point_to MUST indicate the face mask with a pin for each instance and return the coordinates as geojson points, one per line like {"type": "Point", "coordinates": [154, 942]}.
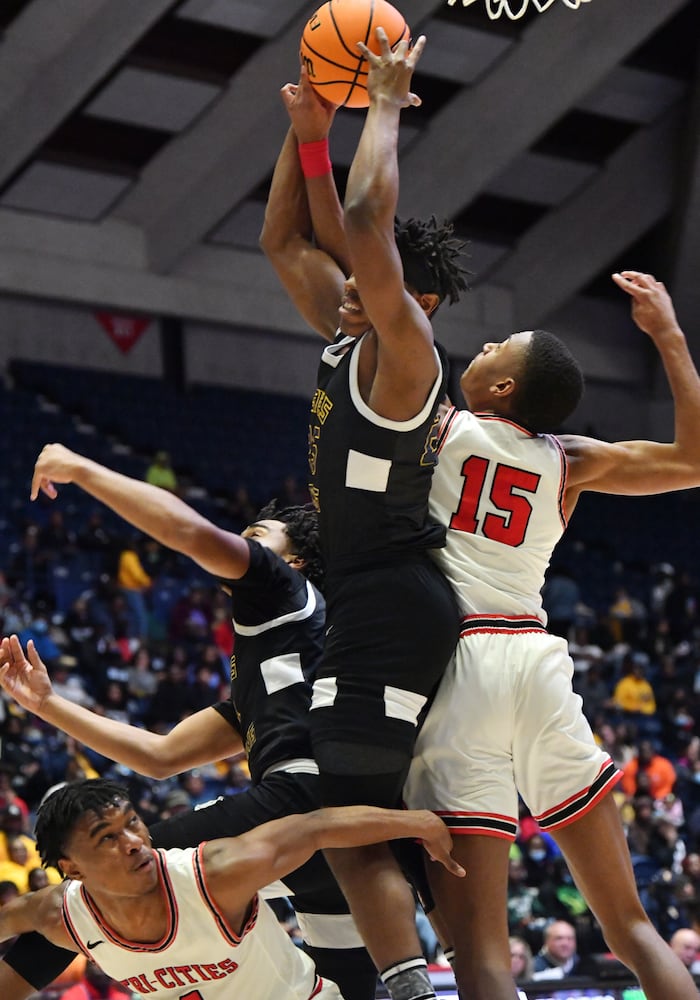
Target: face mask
{"type": "Point", "coordinates": [541, 855]}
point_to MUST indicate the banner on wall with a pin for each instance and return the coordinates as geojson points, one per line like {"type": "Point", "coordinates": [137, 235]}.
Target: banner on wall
{"type": "Point", "coordinates": [123, 330]}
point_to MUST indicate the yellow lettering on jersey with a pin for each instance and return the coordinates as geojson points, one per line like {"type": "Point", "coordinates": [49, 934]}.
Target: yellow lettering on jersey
{"type": "Point", "coordinates": [314, 493]}
{"type": "Point", "coordinates": [429, 456]}
{"type": "Point", "coordinates": [314, 435]}
{"type": "Point", "coordinates": [321, 405]}
{"type": "Point", "coordinates": [234, 671]}
{"type": "Point", "coordinates": [250, 738]}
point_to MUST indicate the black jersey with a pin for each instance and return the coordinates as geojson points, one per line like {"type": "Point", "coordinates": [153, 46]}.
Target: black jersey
{"type": "Point", "coordinates": [370, 476]}
{"type": "Point", "coordinates": [279, 621]}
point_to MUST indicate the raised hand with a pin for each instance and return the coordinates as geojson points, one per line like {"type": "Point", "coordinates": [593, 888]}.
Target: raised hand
{"type": "Point", "coordinates": [311, 115]}
{"type": "Point", "coordinates": [25, 680]}
{"type": "Point", "coordinates": [55, 464]}
{"type": "Point", "coordinates": [652, 308]}
{"type": "Point", "coordinates": [390, 72]}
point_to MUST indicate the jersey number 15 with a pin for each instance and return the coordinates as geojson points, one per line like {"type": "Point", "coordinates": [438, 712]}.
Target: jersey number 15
{"type": "Point", "coordinates": [508, 527]}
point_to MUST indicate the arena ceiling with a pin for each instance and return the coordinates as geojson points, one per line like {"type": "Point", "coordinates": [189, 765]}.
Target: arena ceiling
{"type": "Point", "coordinates": [139, 138]}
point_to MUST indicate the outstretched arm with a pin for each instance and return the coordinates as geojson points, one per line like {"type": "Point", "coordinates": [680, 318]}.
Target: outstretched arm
{"type": "Point", "coordinates": [154, 511]}
{"type": "Point", "coordinates": [236, 868]}
{"type": "Point", "coordinates": [639, 468]}
{"type": "Point", "coordinates": [303, 235]}
{"type": "Point", "coordinates": [406, 366]}
{"type": "Point", "coordinates": [36, 911]}
{"type": "Point", "coordinates": [200, 739]}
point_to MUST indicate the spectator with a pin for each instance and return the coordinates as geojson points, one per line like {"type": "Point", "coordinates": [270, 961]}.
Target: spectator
{"type": "Point", "coordinates": [633, 693]}
{"type": "Point", "coordinates": [539, 855]}
{"type": "Point", "coordinates": [161, 473]}
{"type": "Point", "coordinates": [134, 581]}
{"type": "Point", "coordinates": [521, 961]}
{"type": "Point", "coordinates": [616, 741]}
{"type": "Point", "coordinates": [38, 878]}
{"type": "Point", "coordinates": [557, 958]}
{"type": "Point", "coordinates": [640, 827]}
{"type": "Point", "coordinates": [686, 944]}
{"type": "Point", "coordinates": [658, 770]}
{"type": "Point", "coordinates": [594, 691]}
{"type": "Point", "coordinates": [627, 617]}
{"type": "Point", "coordinates": [524, 908]}
{"type": "Point", "coordinates": [560, 596]}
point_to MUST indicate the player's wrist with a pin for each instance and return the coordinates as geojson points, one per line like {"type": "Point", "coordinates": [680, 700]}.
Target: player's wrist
{"type": "Point", "coordinates": [314, 158]}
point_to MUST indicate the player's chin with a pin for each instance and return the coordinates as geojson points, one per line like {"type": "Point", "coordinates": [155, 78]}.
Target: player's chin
{"type": "Point", "coordinates": [352, 323]}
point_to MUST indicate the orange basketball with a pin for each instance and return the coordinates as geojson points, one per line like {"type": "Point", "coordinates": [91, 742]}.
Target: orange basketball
{"type": "Point", "coordinates": [336, 68]}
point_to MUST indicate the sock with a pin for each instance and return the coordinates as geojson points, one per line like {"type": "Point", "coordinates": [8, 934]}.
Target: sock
{"type": "Point", "coordinates": [408, 980]}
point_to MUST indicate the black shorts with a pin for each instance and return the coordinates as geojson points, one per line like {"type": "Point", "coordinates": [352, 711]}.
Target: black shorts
{"type": "Point", "coordinates": [391, 631]}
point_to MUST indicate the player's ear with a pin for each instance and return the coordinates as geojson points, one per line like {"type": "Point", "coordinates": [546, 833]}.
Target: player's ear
{"type": "Point", "coordinates": [69, 869]}
{"type": "Point", "coordinates": [428, 302]}
{"type": "Point", "coordinates": [504, 387]}
{"type": "Point", "coordinates": [296, 562]}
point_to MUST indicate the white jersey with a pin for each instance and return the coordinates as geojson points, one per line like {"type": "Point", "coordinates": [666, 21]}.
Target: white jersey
{"type": "Point", "coordinates": [200, 956]}
{"type": "Point", "coordinates": [499, 489]}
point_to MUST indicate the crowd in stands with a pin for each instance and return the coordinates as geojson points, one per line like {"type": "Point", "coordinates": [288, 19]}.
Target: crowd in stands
{"type": "Point", "coordinates": [148, 642]}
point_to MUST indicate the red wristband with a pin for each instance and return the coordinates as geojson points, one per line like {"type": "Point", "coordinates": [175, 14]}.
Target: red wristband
{"type": "Point", "coordinates": [314, 158]}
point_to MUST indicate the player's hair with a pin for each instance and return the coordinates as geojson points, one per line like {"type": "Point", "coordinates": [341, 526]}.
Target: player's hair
{"type": "Point", "coordinates": [302, 528]}
{"type": "Point", "coordinates": [430, 256]}
{"type": "Point", "coordinates": [550, 384]}
{"type": "Point", "coordinates": [61, 811]}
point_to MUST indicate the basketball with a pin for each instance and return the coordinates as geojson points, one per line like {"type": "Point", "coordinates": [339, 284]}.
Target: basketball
{"type": "Point", "coordinates": [336, 68]}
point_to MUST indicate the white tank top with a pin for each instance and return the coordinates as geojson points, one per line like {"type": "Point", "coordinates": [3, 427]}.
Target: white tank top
{"type": "Point", "coordinates": [200, 956]}
{"type": "Point", "coordinates": [499, 489]}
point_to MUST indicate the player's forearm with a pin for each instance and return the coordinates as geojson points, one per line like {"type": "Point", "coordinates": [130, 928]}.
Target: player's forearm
{"type": "Point", "coordinates": [684, 382]}
{"type": "Point", "coordinates": [128, 745]}
{"type": "Point", "coordinates": [373, 182]}
{"type": "Point", "coordinates": [357, 826]}
{"type": "Point", "coordinates": [287, 215]}
{"type": "Point", "coordinates": [155, 511]}
{"type": "Point", "coordinates": [327, 220]}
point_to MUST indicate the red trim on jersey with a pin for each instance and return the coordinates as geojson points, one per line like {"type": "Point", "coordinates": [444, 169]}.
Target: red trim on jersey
{"type": "Point", "coordinates": [500, 625]}
{"type": "Point", "coordinates": [564, 479]}
{"type": "Point", "coordinates": [588, 803]}
{"type": "Point", "coordinates": [228, 933]}
{"type": "Point", "coordinates": [318, 986]}
{"type": "Point", "coordinates": [462, 824]}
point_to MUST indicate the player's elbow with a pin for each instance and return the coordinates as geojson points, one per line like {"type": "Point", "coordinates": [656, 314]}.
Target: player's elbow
{"type": "Point", "coordinates": [359, 212]}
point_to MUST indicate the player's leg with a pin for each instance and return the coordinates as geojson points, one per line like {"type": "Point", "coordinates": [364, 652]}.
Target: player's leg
{"type": "Point", "coordinates": [598, 857]}
{"type": "Point", "coordinates": [390, 638]}
{"type": "Point", "coordinates": [380, 898]}
{"type": "Point", "coordinates": [565, 778]}
{"type": "Point", "coordinates": [473, 913]}
{"type": "Point", "coordinates": [463, 770]}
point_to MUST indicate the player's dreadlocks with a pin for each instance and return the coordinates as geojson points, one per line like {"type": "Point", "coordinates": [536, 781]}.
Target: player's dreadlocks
{"type": "Point", "coordinates": [430, 257]}
{"type": "Point", "coordinates": [302, 528]}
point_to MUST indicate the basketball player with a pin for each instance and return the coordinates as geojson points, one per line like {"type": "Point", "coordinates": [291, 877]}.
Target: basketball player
{"type": "Point", "coordinates": [505, 719]}
{"type": "Point", "coordinates": [391, 619]}
{"type": "Point", "coordinates": [187, 923]}
{"type": "Point", "coordinates": [279, 621]}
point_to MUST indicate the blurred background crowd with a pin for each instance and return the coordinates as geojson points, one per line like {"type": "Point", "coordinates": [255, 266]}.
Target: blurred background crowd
{"type": "Point", "coordinates": [139, 634]}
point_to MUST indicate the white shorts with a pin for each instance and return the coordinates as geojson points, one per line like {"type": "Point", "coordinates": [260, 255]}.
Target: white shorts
{"type": "Point", "coordinates": [505, 720]}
